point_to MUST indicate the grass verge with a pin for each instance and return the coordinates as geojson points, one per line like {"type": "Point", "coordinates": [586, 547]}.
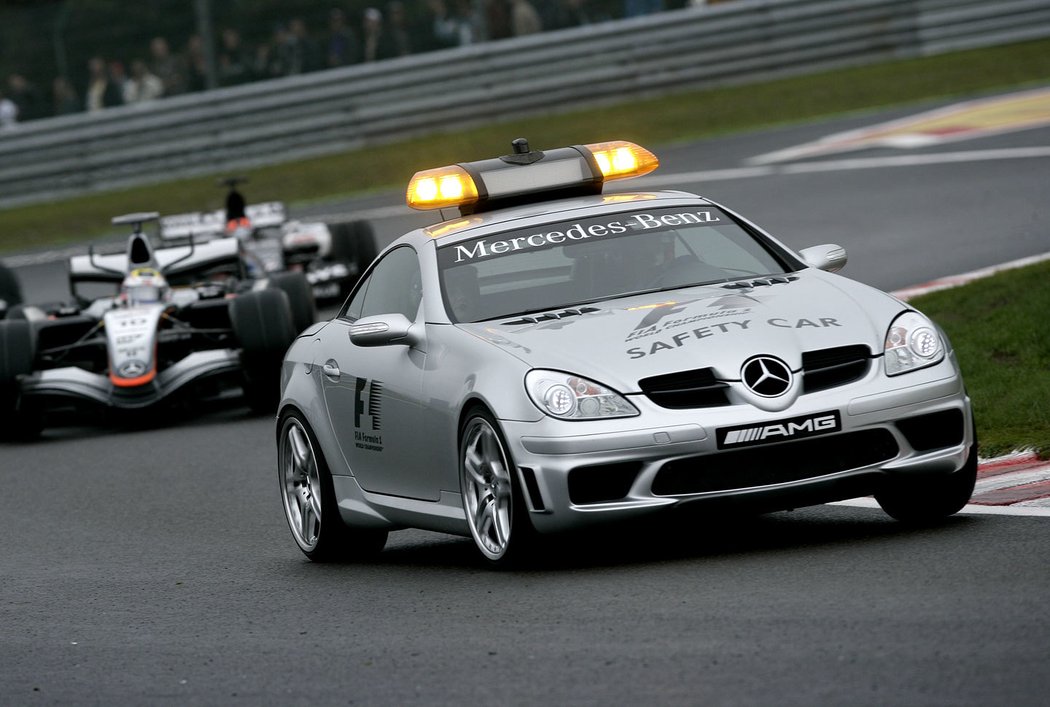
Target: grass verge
{"type": "Point", "coordinates": [684, 116]}
{"type": "Point", "coordinates": [1001, 336]}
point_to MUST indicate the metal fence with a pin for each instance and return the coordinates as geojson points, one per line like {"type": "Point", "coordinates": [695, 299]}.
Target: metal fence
{"type": "Point", "coordinates": [278, 120]}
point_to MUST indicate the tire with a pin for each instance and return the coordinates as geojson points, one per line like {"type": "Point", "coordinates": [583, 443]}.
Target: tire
{"type": "Point", "coordinates": [308, 499]}
{"type": "Point", "coordinates": [17, 355]}
{"type": "Point", "coordinates": [10, 290]}
{"type": "Point", "coordinates": [930, 497]}
{"type": "Point", "coordinates": [492, 500]}
{"type": "Point", "coordinates": [17, 349]}
{"type": "Point", "coordinates": [354, 242]}
{"type": "Point", "coordinates": [300, 297]}
{"type": "Point", "coordinates": [262, 321]}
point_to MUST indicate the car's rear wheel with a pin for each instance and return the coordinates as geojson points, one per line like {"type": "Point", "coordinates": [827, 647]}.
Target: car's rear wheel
{"type": "Point", "coordinates": [300, 297]}
{"type": "Point", "coordinates": [353, 242]}
{"type": "Point", "coordinates": [10, 290]}
{"type": "Point", "coordinates": [308, 497]}
{"type": "Point", "coordinates": [492, 501]}
{"type": "Point", "coordinates": [930, 497]}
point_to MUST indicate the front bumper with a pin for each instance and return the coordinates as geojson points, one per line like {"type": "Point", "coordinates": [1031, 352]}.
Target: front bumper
{"type": "Point", "coordinates": [578, 473]}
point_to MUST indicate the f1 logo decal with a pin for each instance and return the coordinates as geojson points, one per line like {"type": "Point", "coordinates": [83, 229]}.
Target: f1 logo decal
{"type": "Point", "coordinates": [368, 403]}
{"type": "Point", "coordinates": [660, 311]}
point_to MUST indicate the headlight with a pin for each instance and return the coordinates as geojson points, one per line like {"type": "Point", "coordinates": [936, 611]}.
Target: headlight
{"type": "Point", "coordinates": [570, 397]}
{"type": "Point", "coordinates": [912, 342]}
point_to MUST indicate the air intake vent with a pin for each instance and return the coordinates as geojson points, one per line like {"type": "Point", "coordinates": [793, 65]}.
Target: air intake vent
{"type": "Point", "coordinates": [775, 464]}
{"type": "Point", "coordinates": [828, 368]}
{"type": "Point", "coordinates": [761, 282]}
{"type": "Point", "coordinates": [602, 483]}
{"type": "Point", "coordinates": [686, 389]}
{"type": "Point", "coordinates": [551, 316]}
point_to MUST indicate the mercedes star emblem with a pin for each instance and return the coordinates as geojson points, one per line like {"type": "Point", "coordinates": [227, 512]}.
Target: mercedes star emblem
{"type": "Point", "coordinates": [766, 376]}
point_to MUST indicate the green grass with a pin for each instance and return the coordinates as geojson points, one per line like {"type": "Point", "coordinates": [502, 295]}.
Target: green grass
{"type": "Point", "coordinates": [1001, 334]}
{"type": "Point", "coordinates": [654, 122]}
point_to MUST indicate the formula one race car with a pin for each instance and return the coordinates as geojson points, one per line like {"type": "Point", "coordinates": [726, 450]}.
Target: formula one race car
{"type": "Point", "coordinates": [178, 320]}
{"type": "Point", "coordinates": [332, 255]}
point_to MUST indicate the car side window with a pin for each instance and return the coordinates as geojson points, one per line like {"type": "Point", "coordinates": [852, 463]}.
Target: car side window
{"type": "Point", "coordinates": [353, 309]}
{"type": "Point", "coordinates": [393, 287]}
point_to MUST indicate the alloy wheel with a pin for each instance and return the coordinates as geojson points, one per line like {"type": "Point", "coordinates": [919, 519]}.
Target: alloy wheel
{"type": "Point", "coordinates": [301, 485]}
{"type": "Point", "coordinates": [487, 488]}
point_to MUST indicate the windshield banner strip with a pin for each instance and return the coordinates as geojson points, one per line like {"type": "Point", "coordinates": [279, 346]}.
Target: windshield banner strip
{"type": "Point", "coordinates": [489, 247]}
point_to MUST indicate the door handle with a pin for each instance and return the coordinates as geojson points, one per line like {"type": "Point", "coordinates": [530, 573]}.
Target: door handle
{"type": "Point", "coordinates": [330, 369]}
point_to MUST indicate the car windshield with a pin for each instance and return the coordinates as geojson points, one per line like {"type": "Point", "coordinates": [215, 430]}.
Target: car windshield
{"type": "Point", "coordinates": [569, 263]}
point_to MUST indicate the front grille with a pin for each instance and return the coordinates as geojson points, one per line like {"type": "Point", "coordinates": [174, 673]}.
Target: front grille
{"type": "Point", "coordinates": [686, 389]}
{"type": "Point", "coordinates": [699, 388]}
{"type": "Point", "coordinates": [828, 368]}
{"type": "Point", "coordinates": [775, 463]}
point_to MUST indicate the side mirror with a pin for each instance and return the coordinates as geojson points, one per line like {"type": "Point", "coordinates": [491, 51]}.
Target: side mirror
{"type": "Point", "coordinates": [385, 330]}
{"type": "Point", "coordinates": [828, 257]}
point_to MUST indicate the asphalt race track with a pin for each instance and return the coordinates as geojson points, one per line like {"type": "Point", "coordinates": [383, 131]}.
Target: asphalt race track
{"type": "Point", "coordinates": [152, 565]}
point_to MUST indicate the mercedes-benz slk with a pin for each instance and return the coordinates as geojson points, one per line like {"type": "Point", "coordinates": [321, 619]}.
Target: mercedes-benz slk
{"type": "Point", "coordinates": [553, 356]}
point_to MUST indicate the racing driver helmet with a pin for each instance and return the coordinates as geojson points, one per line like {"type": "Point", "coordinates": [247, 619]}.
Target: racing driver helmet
{"type": "Point", "coordinates": [144, 286]}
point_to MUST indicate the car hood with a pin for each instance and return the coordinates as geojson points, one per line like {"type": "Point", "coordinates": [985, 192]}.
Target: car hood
{"type": "Point", "coordinates": [621, 341]}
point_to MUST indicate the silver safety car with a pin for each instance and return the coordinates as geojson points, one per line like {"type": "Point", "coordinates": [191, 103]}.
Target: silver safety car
{"type": "Point", "coordinates": [553, 357]}
{"type": "Point", "coordinates": [147, 326]}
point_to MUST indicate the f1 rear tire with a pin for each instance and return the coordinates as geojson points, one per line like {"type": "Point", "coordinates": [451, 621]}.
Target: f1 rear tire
{"type": "Point", "coordinates": [10, 290]}
{"type": "Point", "coordinates": [300, 297]}
{"type": "Point", "coordinates": [353, 242]}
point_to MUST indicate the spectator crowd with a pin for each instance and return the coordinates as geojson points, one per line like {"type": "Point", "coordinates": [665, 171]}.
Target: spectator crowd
{"type": "Point", "coordinates": [295, 48]}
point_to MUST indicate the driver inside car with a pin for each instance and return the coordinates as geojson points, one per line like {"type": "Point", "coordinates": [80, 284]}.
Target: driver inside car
{"type": "Point", "coordinates": [144, 286]}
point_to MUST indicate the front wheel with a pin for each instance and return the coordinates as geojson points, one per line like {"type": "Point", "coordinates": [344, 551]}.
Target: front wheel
{"type": "Point", "coordinates": [929, 498]}
{"type": "Point", "coordinates": [308, 497]}
{"type": "Point", "coordinates": [262, 322]}
{"type": "Point", "coordinates": [492, 501]}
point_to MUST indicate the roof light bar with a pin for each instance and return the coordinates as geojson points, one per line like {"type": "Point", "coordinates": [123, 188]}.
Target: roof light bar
{"type": "Point", "coordinates": [441, 187]}
{"type": "Point", "coordinates": [622, 160]}
{"type": "Point", "coordinates": [528, 176]}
